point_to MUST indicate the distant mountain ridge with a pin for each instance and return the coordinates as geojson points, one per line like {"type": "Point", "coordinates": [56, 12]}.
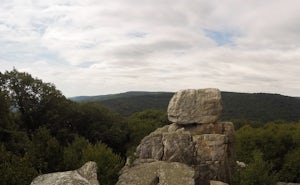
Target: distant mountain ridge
{"type": "Point", "coordinates": [98, 98]}
{"type": "Point", "coordinates": [249, 106]}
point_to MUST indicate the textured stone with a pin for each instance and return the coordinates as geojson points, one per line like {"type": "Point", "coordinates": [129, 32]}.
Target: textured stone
{"type": "Point", "coordinates": [208, 148]}
{"type": "Point", "coordinates": [195, 138]}
{"type": "Point", "coordinates": [86, 175]}
{"type": "Point", "coordinates": [287, 183]}
{"type": "Point", "coordinates": [178, 147]}
{"type": "Point", "coordinates": [158, 173]}
{"type": "Point", "coordinates": [217, 183]}
{"type": "Point", "coordinates": [195, 106]}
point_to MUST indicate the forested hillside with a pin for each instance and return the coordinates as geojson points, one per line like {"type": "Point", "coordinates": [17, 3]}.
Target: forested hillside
{"type": "Point", "coordinates": [41, 131]}
{"type": "Point", "coordinates": [260, 107]}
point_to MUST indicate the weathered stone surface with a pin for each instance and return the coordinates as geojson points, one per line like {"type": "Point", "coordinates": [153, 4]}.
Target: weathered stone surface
{"type": "Point", "coordinates": [152, 147]}
{"type": "Point", "coordinates": [159, 172]}
{"type": "Point", "coordinates": [195, 139]}
{"type": "Point", "coordinates": [208, 148]}
{"type": "Point", "coordinates": [178, 147]}
{"type": "Point", "coordinates": [217, 183]}
{"type": "Point", "coordinates": [195, 106]}
{"type": "Point", "coordinates": [287, 183]}
{"type": "Point", "coordinates": [86, 175]}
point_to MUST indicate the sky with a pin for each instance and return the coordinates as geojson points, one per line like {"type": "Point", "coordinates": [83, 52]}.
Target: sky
{"type": "Point", "coordinates": [94, 47]}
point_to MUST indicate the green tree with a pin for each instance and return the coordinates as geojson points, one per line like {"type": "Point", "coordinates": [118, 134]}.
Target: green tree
{"type": "Point", "coordinates": [143, 123]}
{"type": "Point", "coordinates": [290, 171]}
{"type": "Point", "coordinates": [81, 151]}
{"type": "Point", "coordinates": [29, 96]}
{"type": "Point", "coordinates": [73, 153]}
{"type": "Point", "coordinates": [257, 172]}
{"type": "Point", "coordinates": [15, 170]}
{"type": "Point", "coordinates": [46, 152]}
{"type": "Point", "coordinates": [109, 164]}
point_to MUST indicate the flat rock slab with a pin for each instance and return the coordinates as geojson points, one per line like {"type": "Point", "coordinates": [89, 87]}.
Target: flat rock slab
{"type": "Point", "coordinates": [158, 173]}
{"type": "Point", "coordinates": [86, 175]}
{"type": "Point", "coordinates": [217, 183]}
{"type": "Point", "coordinates": [192, 106]}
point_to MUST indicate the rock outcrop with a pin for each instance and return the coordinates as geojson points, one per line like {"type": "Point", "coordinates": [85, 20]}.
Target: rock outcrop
{"type": "Point", "coordinates": [159, 172]}
{"type": "Point", "coordinates": [195, 138]}
{"type": "Point", "coordinates": [217, 183]}
{"type": "Point", "coordinates": [195, 106]}
{"type": "Point", "coordinates": [86, 175]}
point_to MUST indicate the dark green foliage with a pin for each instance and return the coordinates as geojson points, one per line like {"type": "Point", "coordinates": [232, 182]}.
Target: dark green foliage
{"type": "Point", "coordinates": [290, 171]}
{"type": "Point", "coordinates": [132, 104]}
{"type": "Point", "coordinates": [109, 164]}
{"type": "Point", "coordinates": [15, 170]}
{"type": "Point", "coordinates": [257, 107]}
{"type": "Point", "coordinates": [260, 107]}
{"type": "Point", "coordinates": [41, 131]}
{"type": "Point", "coordinates": [46, 152]}
{"type": "Point", "coordinates": [29, 96]}
{"type": "Point", "coordinates": [73, 153]}
{"type": "Point", "coordinates": [97, 123]}
{"type": "Point", "coordinates": [37, 125]}
{"type": "Point", "coordinates": [81, 151]}
{"type": "Point", "coordinates": [257, 172]}
{"type": "Point", "coordinates": [141, 124]}
{"type": "Point", "coordinates": [279, 144]}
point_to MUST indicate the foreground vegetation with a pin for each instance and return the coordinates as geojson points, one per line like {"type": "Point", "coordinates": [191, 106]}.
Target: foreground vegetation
{"type": "Point", "coordinates": [41, 131]}
{"type": "Point", "coordinates": [272, 153]}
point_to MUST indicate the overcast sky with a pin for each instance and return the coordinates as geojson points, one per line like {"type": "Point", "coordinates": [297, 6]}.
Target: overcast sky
{"type": "Point", "coordinates": [92, 47]}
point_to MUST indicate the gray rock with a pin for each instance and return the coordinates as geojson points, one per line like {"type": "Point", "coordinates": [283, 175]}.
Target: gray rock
{"type": "Point", "coordinates": [195, 139]}
{"type": "Point", "coordinates": [208, 148]}
{"type": "Point", "coordinates": [195, 106]}
{"type": "Point", "coordinates": [178, 147]}
{"type": "Point", "coordinates": [86, 175]}
{"type": "Point", "coordinates": [158, 173]}
{"type": "Point", "coordinates": [217, 183]}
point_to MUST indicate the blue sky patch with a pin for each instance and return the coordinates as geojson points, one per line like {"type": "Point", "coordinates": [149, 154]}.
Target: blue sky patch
{"type": "Point", "coordinates": [221, 37]}
{"type": "Point", "coordinates": [137, 34]}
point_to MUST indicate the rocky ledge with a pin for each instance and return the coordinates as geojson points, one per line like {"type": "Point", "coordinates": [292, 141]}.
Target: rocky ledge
{"type": "Point", "coordinates": [86, 175]}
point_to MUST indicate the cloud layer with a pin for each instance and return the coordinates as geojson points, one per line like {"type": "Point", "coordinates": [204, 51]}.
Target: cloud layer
{"type": "Point", "coordinates": [90, 47]}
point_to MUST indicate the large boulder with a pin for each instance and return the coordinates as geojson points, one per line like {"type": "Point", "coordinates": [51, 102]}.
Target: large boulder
{"type": "Point", "coordinates": [208, 148]}
{"type": "Point", "coordinates": [86, 175]}
{"type": "Point", "coordinates": [195, 138]}
{"type": "Point", "coordinates": [195, 106]}
{"type": "Point", "coordinates": [158, 172]}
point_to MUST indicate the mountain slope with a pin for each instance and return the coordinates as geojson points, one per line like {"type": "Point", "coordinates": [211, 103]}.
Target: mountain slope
{"type": "Point", "coordinates": [255, 107]}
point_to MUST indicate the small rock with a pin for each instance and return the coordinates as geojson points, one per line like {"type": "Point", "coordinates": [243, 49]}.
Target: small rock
{"type": "Point", "coordinates": [86, 175]}
{"type": "Point", "coordinates": [195, 106]}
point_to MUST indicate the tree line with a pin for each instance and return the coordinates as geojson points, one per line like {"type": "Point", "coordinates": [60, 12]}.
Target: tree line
{"type": "Point", "coordinates": [41, 131]}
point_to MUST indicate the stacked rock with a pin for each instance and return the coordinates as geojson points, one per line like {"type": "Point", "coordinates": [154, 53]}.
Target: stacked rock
{"type": "Point", "coordinates": [196, 141]}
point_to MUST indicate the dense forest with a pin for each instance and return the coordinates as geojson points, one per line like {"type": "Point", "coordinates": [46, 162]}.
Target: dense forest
{"type": "Point", "coordinates": [42, 131]}
{"type": "Point", "coordinates": [255, 107]}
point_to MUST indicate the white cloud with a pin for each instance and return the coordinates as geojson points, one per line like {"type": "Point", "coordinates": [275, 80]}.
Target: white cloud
{"type": "Point", "coordinates": [115, 46]}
